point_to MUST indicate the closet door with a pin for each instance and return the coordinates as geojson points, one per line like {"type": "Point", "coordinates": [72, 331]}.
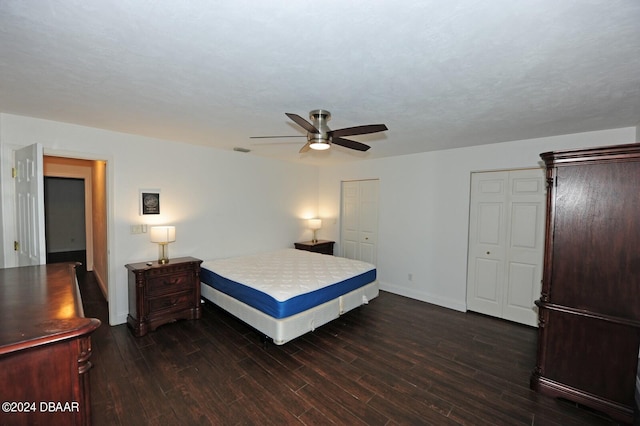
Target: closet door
{"type": "Point", "coordinates": [359, 219]}
{"type": "Point", "coordinates": [506, 243]}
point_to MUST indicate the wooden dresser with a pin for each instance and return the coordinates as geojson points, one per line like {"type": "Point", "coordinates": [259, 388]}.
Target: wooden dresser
{"type": "Point", "coordinates": [159, 294]}
{"type": "Point", "coordinates": [45, 347]}
{"type": "Point", "coordinates": [589, 308]}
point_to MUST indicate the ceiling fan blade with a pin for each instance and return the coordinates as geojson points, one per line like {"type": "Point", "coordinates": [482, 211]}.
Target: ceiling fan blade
{"type": "Point", "coordinates": [359, 130]}
{"type": "Point", "coordinates": [302, 122]}
{"type": "Point", "coordinates": [347, 143]}
{"type": "Point", "coordinates": [269, 137]}
{"type": "Point", "coordinates": [305, 148]}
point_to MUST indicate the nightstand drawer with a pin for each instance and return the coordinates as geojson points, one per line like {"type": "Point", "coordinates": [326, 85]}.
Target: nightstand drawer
{"type": "Point", "coordinates": [172, 283]}
{"type": "Point", "coordinates": [174, 302]}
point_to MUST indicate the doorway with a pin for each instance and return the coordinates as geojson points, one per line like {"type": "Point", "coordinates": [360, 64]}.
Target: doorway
{"type": "Point", "coordinates": [64, 220]}
{"type": "Point", "coordinates": [92, 174]}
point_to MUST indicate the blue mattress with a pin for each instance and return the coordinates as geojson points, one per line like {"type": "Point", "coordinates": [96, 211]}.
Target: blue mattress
{"type": "Point", "coordinates": [291, 306]}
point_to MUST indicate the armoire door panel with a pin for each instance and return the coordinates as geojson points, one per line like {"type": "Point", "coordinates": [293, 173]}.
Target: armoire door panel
{"type": "Point", "coordinates": [592, 355]}
{"type": "Point", "coordinates": [608, 249]}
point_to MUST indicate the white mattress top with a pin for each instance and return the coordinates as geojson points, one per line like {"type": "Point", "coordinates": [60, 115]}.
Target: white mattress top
{"type": "Point", "coordinates": [286, 273]}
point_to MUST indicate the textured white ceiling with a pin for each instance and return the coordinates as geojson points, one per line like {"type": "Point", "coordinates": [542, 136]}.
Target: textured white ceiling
{"type": "Point", "coordinates": [439, 74]}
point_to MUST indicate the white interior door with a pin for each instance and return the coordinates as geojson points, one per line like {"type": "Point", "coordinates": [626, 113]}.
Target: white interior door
{"type": "Point", "coordinates": [359, 220]}
{"type": "Point", "coordinates": [506, 243]}
{"type": "Point", "coordinates": [525, 245]}
{"type": "Point", "coordinates": [349, 220]}
{"type": "Point", "coordinates": [487, 242]}
{"type": "Point", "coordinates": [29, 181]}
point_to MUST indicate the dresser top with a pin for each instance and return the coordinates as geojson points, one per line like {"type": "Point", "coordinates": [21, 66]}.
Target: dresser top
{"type": "Point", "coordinates": [40, 304]}
{"type": "Point", "coordinates": [155, 265]}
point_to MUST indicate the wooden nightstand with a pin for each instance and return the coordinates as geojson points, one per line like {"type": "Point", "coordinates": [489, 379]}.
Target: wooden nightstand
{"type": "Point", "coordinates": [159, 294]}
{"type": "Point", "coordinates": [320, 246]}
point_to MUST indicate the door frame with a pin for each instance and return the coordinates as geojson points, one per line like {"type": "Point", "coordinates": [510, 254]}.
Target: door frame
{"type": "Point", "coordinates": [76, 173]}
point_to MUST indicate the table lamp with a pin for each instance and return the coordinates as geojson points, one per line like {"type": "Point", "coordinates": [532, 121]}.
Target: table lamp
{"type": "Point", "coordinates": [315, 224]}
{"type": "Point", "coordinates": [163, 235]}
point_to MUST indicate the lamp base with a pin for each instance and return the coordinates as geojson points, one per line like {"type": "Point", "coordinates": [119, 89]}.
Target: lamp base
{"type": "Point", "coordinates": [163, 256]}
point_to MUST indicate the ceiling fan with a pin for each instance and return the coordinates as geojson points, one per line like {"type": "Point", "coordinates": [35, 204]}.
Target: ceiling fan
{"type": "Point", "coordinates": [320, 136]}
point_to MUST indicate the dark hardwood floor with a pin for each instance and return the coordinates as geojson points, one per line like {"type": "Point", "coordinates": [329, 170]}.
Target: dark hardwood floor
{"type": "Point", "coordinates": [395, 361]}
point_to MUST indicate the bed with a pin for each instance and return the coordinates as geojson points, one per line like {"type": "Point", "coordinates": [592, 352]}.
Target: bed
{"type": "Point", "coordinates": [286, 293]}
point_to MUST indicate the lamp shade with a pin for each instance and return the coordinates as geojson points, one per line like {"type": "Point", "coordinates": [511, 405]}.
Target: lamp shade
{"type": "Point", "coordinates": [163, 234]}
{"type": "Point", "coordinates": [315, 224]}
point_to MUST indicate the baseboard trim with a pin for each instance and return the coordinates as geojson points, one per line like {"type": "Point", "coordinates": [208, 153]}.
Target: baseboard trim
{"type": "Point", "coordinates": [424, 297]}
{"type": "Point", "coordinates": [102, 285]}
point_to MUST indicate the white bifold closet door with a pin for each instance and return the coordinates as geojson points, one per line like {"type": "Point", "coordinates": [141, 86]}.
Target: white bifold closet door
{"type": "Point", "coordinates": [359, 220]}
{"type": "Point", "coordinates": [506, 243]}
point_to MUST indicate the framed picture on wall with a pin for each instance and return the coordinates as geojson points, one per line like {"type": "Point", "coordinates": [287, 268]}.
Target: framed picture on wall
{"type": "Point", "coordinates": [149, 201]}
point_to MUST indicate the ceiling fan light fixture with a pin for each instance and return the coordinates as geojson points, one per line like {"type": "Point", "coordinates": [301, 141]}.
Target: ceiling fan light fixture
{"type": "Point", "coordinates": [319, 145]}
{"type": "Point", "coordinates": [320, 137]}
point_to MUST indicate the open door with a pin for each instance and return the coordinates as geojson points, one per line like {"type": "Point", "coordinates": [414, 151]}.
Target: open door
{"type": "Point", "coordinates": [29, 181]}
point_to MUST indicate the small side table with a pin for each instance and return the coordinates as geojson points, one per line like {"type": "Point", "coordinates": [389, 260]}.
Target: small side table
{"type": "Point", "coordinates": [320, 246]}
{"type": "Point", "coordinates": [159, 294]}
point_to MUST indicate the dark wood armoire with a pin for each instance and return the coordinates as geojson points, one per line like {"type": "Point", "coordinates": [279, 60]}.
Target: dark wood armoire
{"type": "Point", "coordinates": [589, 308]}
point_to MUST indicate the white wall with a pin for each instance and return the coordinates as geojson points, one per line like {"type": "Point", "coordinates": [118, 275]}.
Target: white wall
{"type": "Point", "coordinates": [222, 203]}
{"type": "Point", "coordinates": [225, 203]}
{"type": "Point", "coordinates": [424, 208]}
